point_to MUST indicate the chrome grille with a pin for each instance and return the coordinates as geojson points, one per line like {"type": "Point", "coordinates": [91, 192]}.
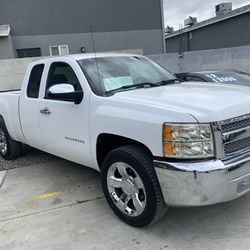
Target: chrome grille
{"type": "Point", "coordinates": [236, 135]}
{"type": "Point", "coordinates": [235, 125]}
{"type": "Point", "coordinates": [237, 146]}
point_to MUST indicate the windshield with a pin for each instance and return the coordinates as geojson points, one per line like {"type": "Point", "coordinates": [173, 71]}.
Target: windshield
{"type": "Point", "coordinates": [113, 74]}
{"type": "Point", "coordinates": [232, 77]}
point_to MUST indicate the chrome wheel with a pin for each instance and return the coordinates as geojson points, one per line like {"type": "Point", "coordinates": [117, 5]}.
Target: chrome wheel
{"type": "Point", "coordinates": [3, 143]}
{"type": "Point", "coordinates": [126, 189]}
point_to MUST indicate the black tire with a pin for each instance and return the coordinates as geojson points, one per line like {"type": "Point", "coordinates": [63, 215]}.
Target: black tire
{"type": "Point", "coordinates": [14, 148]}
{"type": "Point", "coordinates": [142, 163]}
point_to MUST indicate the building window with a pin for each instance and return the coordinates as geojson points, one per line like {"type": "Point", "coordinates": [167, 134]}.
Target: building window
{"type": "Point", "coordinates": [59, 50]}
{"type": "Point", "coordinates": [31, 52]}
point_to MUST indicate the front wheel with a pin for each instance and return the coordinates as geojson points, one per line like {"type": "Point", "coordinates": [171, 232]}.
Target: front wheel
{"type": "Point", "coordinates": [131, 187]}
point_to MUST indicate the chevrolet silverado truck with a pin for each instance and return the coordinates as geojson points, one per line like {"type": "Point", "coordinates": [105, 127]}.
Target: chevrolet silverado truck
{"type": "Point", "coordinates": [157, 142]}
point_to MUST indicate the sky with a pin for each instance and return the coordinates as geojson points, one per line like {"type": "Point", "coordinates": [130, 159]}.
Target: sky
{"type": "Point", "coordinates": [175, 11]}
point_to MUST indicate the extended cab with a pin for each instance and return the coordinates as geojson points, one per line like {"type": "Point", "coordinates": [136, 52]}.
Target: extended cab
{"type": "Point", "coordinates": [156, 141]}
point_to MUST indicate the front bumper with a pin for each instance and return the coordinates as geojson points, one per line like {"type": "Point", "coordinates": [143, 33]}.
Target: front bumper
{"type": "Point", "coordinates": [202, 183]}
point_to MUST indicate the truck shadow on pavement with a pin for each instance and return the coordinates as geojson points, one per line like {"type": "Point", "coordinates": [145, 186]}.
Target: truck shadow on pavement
{"type": "Point", "coordinates": [227, 220]}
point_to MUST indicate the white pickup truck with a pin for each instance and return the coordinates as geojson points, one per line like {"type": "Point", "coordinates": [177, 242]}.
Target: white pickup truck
{"type": "Point", "coordinates": [156, 141]}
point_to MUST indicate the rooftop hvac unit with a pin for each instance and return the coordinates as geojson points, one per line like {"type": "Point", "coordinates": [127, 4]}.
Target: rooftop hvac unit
{"type": "Point", "coordinates": [4, 30]}
{"type": "Point", "coordinates": [190, 21]}
{"type": "Point", "coordinates": [169, 30]}
{"type": "Point", "coordinates": [223, 8]}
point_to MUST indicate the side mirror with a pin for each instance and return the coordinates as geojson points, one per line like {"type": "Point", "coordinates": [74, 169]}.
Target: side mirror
{"type": "Point", "coordinates": [65, 92]}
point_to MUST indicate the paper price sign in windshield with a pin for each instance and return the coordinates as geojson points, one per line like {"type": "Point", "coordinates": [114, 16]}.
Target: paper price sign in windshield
{"type": "Point", "coordinates": [117, 82]}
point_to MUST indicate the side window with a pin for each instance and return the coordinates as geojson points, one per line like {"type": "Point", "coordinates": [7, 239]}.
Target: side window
{"type": "Point", "coordinates": [188, 78]}
{"type": "Point", "coordinates": [61, 72]}
{"type": "Point", "coordinates": [197, 79]}
{"type": "Point", "coordinates": [35, 81]}
{"type": "Point", "coordinates": [191, 78]}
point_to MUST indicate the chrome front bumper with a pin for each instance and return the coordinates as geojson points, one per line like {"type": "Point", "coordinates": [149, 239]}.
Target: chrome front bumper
{"type": "Point", "coordinates": [202, 183]}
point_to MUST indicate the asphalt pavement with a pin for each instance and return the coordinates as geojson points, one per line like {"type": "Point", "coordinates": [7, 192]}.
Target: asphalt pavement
{"type": "Point", "coordinates": [31, 156]}
{"type": "Point", "coordinates": [60, 205]}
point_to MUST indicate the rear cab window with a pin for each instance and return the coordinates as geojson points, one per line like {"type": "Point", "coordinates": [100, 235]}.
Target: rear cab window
{"type": "Point", "coordinates": [35, 81]}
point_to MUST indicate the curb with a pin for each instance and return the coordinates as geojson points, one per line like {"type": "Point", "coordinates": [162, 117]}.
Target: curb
{"type": "Point", "coordinates": [2, 177]}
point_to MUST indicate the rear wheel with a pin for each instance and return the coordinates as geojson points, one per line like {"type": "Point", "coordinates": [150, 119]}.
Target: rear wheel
{"type": "Point", "coordinates": [131, 187]}
{"type": "Point", "coordinates": [9, 149]}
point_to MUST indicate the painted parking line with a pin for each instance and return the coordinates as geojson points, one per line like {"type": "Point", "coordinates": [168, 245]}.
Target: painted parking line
{"type": "Point", "coordinates": [2, 177]}
{"type": "Point", "coordinates": [46, 196]}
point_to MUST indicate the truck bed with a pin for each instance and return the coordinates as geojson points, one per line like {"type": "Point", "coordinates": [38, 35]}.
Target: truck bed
{"type": "Point", "coordinates": [9, 111]}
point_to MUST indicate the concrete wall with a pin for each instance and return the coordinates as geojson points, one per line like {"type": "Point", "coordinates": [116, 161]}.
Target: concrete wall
{"type": "Point", "coordinates": [169, 61]}
{"type": "Point", "coordinates": [6, 47]}
{"type": "Point", "coordinates": [12, 72]}
{"type": "Point", "coordinates": [229, 33]}
{"type": "Point", "coordinates": [229, 58]}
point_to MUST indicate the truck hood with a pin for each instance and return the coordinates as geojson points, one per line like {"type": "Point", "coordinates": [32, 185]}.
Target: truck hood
{"type": "Point", "coordinates": [206, 102]}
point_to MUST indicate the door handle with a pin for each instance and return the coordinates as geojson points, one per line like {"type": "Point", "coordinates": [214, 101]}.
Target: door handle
{"type": "Point", "coordinates": [45, 111]}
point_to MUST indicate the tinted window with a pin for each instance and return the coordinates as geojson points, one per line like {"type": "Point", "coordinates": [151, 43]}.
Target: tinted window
{"type": "Point", "coordinates": [62, 73]}
{"type": "Point", "coordinates": [35, 81]}
{"type": "Point", "coordinates": [33, 52]}
{"type": "Point", "coordinates": [188, 78]}
{"type": "Point", "coordinates": [196, 79]}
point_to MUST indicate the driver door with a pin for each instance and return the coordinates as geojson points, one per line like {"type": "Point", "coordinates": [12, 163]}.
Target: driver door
{"type": "Point", "coordinates": [64, 125]}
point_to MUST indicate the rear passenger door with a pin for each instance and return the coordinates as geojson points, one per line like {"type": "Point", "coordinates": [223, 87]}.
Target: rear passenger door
{"type": "Point", "coordinates": [30, 106]}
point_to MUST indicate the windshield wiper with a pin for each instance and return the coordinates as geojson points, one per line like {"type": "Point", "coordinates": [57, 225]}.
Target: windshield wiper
{"type": "Point", "coordinates": [133, 86]}
{"type": "Point", "coordinates": [143, 85]}
{"type": "Point", "coordinates": [170, 81]}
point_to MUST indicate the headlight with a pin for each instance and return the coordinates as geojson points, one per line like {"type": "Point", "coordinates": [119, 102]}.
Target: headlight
{"type": "Point", "coordinates": [188, 141]}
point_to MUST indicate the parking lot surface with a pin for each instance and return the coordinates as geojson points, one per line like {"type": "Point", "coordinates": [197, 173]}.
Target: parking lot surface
{"type": "Point", "coordinates": [60, 205]}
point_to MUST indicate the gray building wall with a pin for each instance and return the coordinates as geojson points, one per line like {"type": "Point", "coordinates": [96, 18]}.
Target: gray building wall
{"type": "Point", "coordinates": [116, 25]}
{"type": "Point", "coordinates": [231, 32]}
{"type": "Point", "coordinates": [148, 40]}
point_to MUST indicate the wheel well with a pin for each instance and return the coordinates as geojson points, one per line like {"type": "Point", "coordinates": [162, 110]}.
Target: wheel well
{"type": "Point", "coordinates": [2, 120]}
{"type": "Point", "coordinates": [108, 142]}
